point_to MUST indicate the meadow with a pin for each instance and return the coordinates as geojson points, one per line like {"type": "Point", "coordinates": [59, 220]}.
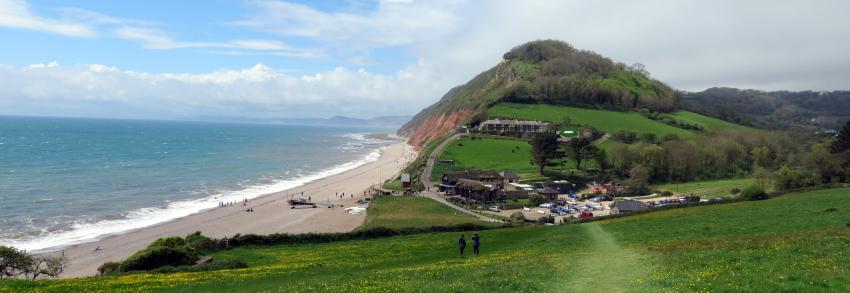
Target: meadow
{"type": "Point", "coordinates": [793, 243]}
{"type": "Point", "coordinates": [709, 123]}
{"type": "Point", "coordinates": [707, 188]}
{"type": "Point", "coordinates": [413, 212]}
{"type": "Point", "coordinates": [607, 121]}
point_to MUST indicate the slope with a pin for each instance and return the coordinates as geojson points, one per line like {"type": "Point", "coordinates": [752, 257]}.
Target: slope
{"type": "Point", "coordinates": [794, 243]}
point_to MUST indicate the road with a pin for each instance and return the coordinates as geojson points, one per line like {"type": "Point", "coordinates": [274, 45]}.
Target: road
{"type": "Point", "coordinates": [426, 180]}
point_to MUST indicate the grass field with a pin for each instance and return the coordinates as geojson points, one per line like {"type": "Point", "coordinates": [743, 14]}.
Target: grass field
{"type": "Point", "coordinates": [706, 122]}
{"type": "Point", "coordinates": [793, 243]}
{"type": "Point", "coordinates": [412, 211]}
{"type": "Point", "coordinates": [607, 121]}
{"type": "Point", "coordinates": [707, 188]}
{"type": "Point", "coordinates": [488, 153]}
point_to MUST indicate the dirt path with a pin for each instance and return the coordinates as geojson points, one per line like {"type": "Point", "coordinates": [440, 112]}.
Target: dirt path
{"type": "Point", "coordinates": [604, 267]}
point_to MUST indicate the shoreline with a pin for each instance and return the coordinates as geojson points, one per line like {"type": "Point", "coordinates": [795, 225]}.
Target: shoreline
{"type": "Point", "coordinates": [272, 214]}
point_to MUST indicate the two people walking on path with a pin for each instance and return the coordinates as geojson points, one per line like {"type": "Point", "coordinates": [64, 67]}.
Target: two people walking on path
{"type": "Point", "coordinates": [476, 242]}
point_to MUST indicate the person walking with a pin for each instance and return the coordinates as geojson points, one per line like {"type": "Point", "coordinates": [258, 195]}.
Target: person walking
{"type": "Point", "coordinates": [476, 241]}
{"type": "Point", "coordinates": [462, 244]}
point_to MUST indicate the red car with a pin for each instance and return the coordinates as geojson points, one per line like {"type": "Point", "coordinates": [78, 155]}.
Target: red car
{"type": "Point", "coordinates": [585, 215]}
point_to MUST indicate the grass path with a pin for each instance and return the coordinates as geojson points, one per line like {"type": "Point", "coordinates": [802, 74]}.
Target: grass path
{"type": "Point", "coordinates": [605, 266]}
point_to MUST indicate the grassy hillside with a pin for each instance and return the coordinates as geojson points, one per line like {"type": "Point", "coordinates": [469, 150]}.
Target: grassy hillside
{"type": "Point", "coordinates": [607, 121]}
{"type": "Point", "coordinates": [706, 188]}
{"type": "Point", "coordinates": [416, 212]}
{"type": "Point", "coordinates": [794, 243]}
{"type": "Point", "coordinates": [707, 122]}
{"type": "Point", "coordinates": [544, 71]}
{"type": "Point", "coordinates": [501, 154]}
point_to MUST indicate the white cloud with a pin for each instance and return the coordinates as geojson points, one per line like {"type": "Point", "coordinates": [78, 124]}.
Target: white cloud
{"type": "Point", "coordinates": [17, 14]}
{"type": "Point", "coordinates": [156, 39]}
{"type": "Point", "coordinates": [691, 45]}
{"type": "Point", "coordinates": [258, 92]}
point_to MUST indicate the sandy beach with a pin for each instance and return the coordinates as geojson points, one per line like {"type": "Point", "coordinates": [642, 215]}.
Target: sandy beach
{"type": "Point", "coordinates": [272, 214]}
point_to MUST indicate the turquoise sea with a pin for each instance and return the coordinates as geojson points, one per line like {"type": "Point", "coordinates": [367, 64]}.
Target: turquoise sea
{"type": "Point", "coordinates": [68, 180]}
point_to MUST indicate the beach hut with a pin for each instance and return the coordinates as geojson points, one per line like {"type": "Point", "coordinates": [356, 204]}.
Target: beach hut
{"type": "Point", "coordinates": [406, 182]}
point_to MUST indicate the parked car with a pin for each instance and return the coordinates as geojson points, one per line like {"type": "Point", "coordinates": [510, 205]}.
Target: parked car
{"type": "Point", "coordinates": [545, 205]}
{"type": "Point", "coordinates": [495, 209]}
{"type": "Point", "coordinates": [717, 198]}
{"type": "Point", "coordinates": [585, 215]}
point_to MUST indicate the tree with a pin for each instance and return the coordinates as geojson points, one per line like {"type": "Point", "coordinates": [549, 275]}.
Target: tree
{"type": "Point", "coordinates": [754, 192]}
{"type": "Point", "coordinates": [842, 141]}
{"type": "Point", "coordinates": [579, 149]}
{"type": "Point", "coordinates": [762, 176]}
{"type": "Point", "coordinates": [14, 262]}
{"type": "Point", "coordinates": [638, 180]}
{"type": "Point", "coordinates": [544, 149]}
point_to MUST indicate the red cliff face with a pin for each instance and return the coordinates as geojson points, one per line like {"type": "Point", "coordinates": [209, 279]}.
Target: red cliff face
{"type": "Point", "coordinates": [436, 126]}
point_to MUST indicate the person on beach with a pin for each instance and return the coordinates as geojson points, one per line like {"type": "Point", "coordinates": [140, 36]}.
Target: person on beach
{"type": "Point", "coordinates": [476, 241]}
{"type": "Point", "coordinates": [461, 244]}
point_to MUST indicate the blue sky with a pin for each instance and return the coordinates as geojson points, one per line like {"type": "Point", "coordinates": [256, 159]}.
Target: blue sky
{"type": "Point", "coordinates": [275, 58]}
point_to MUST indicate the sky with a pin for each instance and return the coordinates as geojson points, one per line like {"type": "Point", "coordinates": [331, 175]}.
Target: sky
{"type": "Point", "coordinates": [288, 59]}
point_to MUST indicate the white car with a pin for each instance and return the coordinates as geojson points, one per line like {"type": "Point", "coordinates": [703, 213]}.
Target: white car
{"type": "Point", "coordinates": [545, 205]}
{"type": "Point", "coordinates": [495, 209]}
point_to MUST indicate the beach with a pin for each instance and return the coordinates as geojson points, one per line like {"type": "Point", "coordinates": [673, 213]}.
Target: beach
{"type": "Point", "coordinates": [271, 214]}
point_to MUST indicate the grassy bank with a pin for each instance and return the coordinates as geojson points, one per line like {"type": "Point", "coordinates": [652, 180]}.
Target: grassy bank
{"type": "Point", "coordinates": [413, 212]}
{"type": "Point", "coordinates": [707, 188]}
{"type": "Point", "coordinates": [607, 121]}
{"type": "Point", "coordinates": [794, 243]}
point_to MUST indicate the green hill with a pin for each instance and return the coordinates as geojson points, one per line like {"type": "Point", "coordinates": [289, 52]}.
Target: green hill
{"type": "Point", "coordinates": [728, 247]}
{"type": "Point", "coordinates": [548, 72]}
{"type": "Point", "coordinates": [607, 121]}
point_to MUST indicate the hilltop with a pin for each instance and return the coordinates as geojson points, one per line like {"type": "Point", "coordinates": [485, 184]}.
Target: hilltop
{"type": "Point", "coordinates": [547, 71]}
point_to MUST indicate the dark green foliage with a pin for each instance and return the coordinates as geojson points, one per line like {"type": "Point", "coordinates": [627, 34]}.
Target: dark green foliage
{"type": "Point", "coordinates": [787, 178]}
{"type": "Point", "coordinates": [842, 141]}
{"type": "Point", "coordinates": [537, 199]}
{"type": "Point", "coordinates": [779, 109]}
{"type": "Point", "coordinates": [716, 155]}
{"type": "Point", "coordinates": [158, 256]}
{"type": "Point", "coordinates": [109, 268]}
{"type": "Point", "coordinates": [581, 148]}
{"type": "Point", "coordinates": [544, 149]}
{"type": "Point", "coordinates": [14, 262]}
{"type": "Point", "coordinates": [735, 191]}
{"type": "Point", "coordinates": [754, 192]}
{"type": "Point", "coordinates": [638, 182]}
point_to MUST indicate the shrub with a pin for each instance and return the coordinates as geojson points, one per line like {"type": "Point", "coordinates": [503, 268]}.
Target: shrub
{"type": "Point", "coordinates": [754, 192]}
{"type": "Point", "coordinates": [158, 256]}
{"type": "Point", "coordinates": [517, 218]}
{"type": "Point", "coordinates": [735, 191]}
{"type": "Point", "coordinates": [537, 199]}
{"type": "Point", "coordinates": [14, 262]}
{"type": "Point", "coordinates": [173, 242]}
{"type": "Point", "coordinates": [108, 268]}
{"type": "Point", "coordinates": [667, 193]}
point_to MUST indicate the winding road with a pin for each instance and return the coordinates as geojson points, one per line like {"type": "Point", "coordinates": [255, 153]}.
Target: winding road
{"type": "Point", "coordinates": [426, 180]}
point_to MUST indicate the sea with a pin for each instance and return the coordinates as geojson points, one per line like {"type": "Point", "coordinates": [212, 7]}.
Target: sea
{"type": "Point", "coordinates": [65, 181]}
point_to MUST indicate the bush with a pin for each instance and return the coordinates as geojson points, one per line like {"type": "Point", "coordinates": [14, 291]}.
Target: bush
{"type": "Point", "coordinates": [537, 200]}
{"type": "Point", "coordinates": [108, 268]}
{"type": "Point", "coordinates": [14, 262]}
{"type": "Point", "coordinates": [754, 192]}
{"type": "Point", "coordinates": [735, 191]}
{"type": "Point", "coordinates": [667, 193]}
{"type": "Point", "coordinates": [517, 218]}
{"type": "Point", "coordinates": [158, 256]}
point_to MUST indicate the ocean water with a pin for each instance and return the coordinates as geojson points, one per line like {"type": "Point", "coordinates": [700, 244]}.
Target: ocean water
{"type": "Point", "coordinates": [65, 180]}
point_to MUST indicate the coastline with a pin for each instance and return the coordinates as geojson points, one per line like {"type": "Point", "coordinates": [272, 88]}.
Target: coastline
{"type": "Point", "coordinates": [272, 214]}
